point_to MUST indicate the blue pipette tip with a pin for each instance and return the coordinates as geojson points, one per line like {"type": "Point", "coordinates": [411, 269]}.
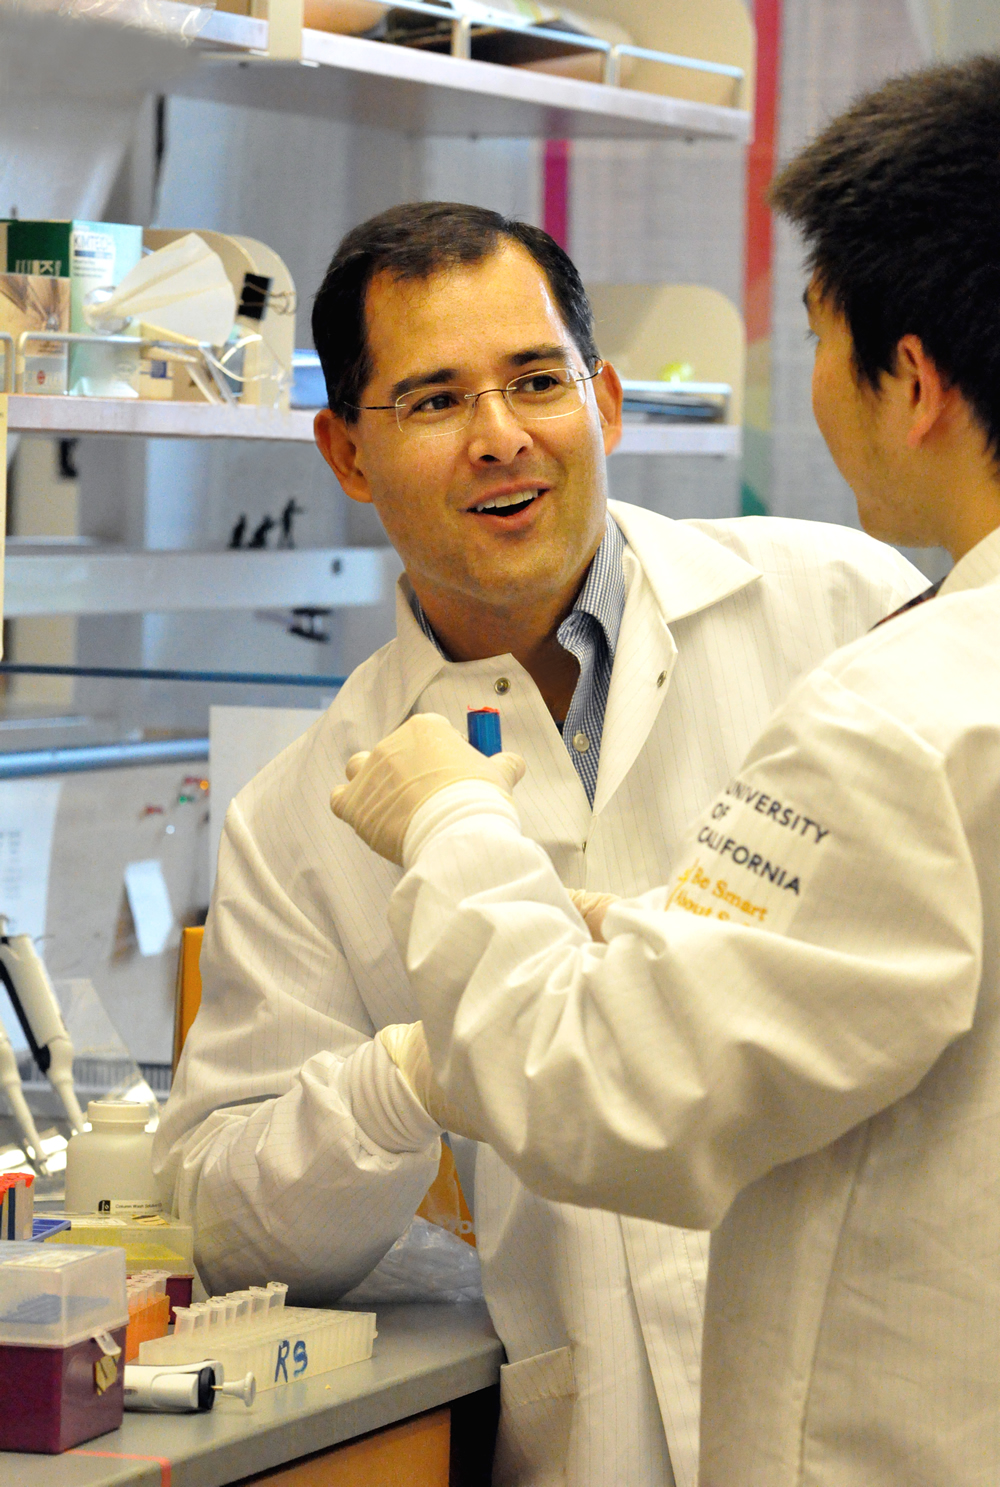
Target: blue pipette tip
{"type": "Point", "coordinates": [484, 730]}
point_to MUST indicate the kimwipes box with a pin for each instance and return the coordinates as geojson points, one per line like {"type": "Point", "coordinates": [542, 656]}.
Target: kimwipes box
{"type": "Point", "coordinates": [94, 256]}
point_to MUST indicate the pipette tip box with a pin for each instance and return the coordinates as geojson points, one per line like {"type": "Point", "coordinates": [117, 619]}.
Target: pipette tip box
{"type": "Point", "coordinates": [63, 1316]}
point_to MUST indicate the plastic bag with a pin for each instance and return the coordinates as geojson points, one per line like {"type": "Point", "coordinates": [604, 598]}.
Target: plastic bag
{"type": "Point", "coordinates": [425, 1264]}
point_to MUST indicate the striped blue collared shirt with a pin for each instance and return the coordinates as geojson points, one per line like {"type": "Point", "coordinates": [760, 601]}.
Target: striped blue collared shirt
{"type": "Point", "coordinates": [590, 633]}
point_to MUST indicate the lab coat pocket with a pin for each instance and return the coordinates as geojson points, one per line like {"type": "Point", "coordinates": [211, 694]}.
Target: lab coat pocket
{"type": "Point", "coordinates": [536, 1411]}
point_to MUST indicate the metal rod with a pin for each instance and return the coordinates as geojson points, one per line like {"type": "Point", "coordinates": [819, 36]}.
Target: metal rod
{"type": "Point", "coordinates": [148, 674]}
{"type": "Point", "coordinates": [461, 38]}
{"type": "Point", "coordinates": [101, 756]}
{"type": "Point", "coordinates": [7, 341]}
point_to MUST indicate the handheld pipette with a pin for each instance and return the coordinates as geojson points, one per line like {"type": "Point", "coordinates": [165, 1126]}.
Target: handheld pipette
{"type": "Point", "coordinates": [484, 730]}
{"type": "Point", "coordinates": [182, 1388]}
{"type": "Point", "coordinates": [34, 1001]}
{"type": "Point", "coordinates": [10, 1083]}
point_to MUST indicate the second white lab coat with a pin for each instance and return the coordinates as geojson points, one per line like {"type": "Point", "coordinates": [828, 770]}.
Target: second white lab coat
{"type": "Point", "coordinates": [802, 1053]}
{"type": "Point", "coordinates": [270, 1143]}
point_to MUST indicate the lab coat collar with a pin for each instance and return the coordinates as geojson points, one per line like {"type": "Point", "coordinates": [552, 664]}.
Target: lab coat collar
{"type": "Point", "coordinates": [667, 580]}
{"type": "Point", "coordinates": [979, 566]}
{"type": "Point", "coordinates": [687, 572]}
{"type": "Point", "coordinates": [417, 661]}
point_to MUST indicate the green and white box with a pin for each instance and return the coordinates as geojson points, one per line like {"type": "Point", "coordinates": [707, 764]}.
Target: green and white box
{"type": "Point", "coordinates": [94, 256]}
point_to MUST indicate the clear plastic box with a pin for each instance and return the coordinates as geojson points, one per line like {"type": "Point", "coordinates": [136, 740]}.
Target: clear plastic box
{"type": "Point", "coordinates": [146, 1240]}
{"type": "Point", "coordinates": [54, 1297]}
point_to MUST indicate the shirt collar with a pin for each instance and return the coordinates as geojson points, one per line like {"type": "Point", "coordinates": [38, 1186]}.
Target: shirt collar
{"type": "Point", "coordinates": [979, 566]}
{"type": "Point", "coordinates": [604, 590]}
{"type": "Point", "coordinates": [603, 593]}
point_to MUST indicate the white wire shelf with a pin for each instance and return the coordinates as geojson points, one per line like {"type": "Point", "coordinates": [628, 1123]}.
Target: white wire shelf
{"type": "Point", "coordinates": [404, 88]}
{"type": "Point", "coordinates": [46, 580]}
{"type": "Point", "coordinates": [719, 439]}
{"type": "Point", "coordinates": [36, 413]}
{"type": "Point", "coordinates": [70, 416]}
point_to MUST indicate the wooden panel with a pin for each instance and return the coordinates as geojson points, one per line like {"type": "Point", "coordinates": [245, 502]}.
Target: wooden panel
{"type": "Point", "coordinates": [188, 986]}
{"type": "Point", "coordinates": [412, 1454]}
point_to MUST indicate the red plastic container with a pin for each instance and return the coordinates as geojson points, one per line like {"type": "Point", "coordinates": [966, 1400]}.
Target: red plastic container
{"type": "Point", "coordinates": [51, 1399]}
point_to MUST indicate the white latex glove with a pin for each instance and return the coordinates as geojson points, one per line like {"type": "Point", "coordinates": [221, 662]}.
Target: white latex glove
{"type": "Point", "coordinates": [592, 908]}
{"type": "Point", "coordinates": [389, 785]}
{"type": "Point", "coordinates": [406, 1045]}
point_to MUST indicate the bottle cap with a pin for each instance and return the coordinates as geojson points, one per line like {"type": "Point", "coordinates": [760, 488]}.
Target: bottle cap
{"type": "Point", "coordinates": [117, 1113]}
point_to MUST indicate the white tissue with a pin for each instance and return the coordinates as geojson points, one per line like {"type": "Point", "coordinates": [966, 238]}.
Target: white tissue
{"type": "Point", "coordinates": [180, 290]}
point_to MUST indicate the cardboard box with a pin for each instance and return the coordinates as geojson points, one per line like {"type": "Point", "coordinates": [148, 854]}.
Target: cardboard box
{"type": "Point", "coordinates": [37, 302]}
{"type": "Point", "coordinates": [93, 256]}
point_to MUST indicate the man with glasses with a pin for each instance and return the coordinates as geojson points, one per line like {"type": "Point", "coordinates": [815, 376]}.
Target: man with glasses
{"type": "Point", "coordinates": [632, 660]}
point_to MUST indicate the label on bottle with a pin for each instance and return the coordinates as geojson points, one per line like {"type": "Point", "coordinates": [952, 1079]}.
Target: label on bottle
{"type": "Point", "coordinates": [135, 1208]}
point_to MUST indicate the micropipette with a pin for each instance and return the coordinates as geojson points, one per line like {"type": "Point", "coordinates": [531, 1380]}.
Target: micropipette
{"type": "Point", "coordinates": [10, 1083]}
{"type": "Point", "coordinates": [34, 1001]}
{"type": "Point", "coordinates": [183, 1388]}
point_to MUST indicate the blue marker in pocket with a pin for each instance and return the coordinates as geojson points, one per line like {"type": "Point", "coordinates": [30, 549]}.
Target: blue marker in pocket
{"type": "Point", "coordinates": [484, 730]}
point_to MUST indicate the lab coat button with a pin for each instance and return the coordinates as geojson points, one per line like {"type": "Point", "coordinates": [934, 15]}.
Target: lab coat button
{"type": "Point", "coordinates": [581, 743]}
{"type": "Point", "coordinates": [501, 685]}
{"type": "Point", "coordinates": [661, 678]}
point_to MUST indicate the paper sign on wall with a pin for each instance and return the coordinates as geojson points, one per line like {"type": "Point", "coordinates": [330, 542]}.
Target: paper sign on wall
{"type": "Point", "coordinates": [27, 821]}
{"type": "Point", "coordinates": [149, 902]}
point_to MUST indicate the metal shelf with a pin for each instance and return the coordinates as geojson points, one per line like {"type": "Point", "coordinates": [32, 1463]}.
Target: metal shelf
{"type": "Point", "coordinates": [347, 77]}
{"type": "Point", "coordinates": [83, 580]}
{"type": "Point", "coordinates": [127, 47]}
{"type": "Point", "coordinates": [35, 413]}
{"type": "Point", "coordinates": [719, 439]}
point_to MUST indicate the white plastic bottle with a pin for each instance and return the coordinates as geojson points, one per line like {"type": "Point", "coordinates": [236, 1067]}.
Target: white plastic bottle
{"type": "Point", "coordinates": [109, 1168]}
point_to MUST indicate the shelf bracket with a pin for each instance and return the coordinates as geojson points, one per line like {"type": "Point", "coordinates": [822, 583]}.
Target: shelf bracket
{"type": "Point", "coordinates": [461, 37]}
{"type": "Point", "coordinates": [284, 30]}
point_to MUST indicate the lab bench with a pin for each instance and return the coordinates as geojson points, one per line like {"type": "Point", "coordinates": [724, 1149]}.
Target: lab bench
{"type": "Point", "coordinates": [426, 1358]}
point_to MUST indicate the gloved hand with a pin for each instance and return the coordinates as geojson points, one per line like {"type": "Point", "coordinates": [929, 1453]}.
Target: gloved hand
{"type": "Point", "coordinates": [592, 908]}
{"type": "Point", "coordinates": [406, 1045]}
{"type": "Point", "coordinates": [389, 785]}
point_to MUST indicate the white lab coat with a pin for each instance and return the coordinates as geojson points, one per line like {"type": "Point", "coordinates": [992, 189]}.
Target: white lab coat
{"type": "Point", "coordinates": [816, 1077]}
{"type": "Point", "coordinates": [275, 1145]}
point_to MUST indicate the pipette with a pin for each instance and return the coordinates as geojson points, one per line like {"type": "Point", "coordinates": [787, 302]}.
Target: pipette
{"type": "Point", "coordinates": [34, 1001]}
{"type": "Point", "coordinates": [10, 1083]}
{"type": "Point", "coordinates": [184, 1388]}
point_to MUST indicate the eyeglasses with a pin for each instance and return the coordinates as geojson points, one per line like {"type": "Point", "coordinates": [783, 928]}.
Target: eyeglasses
{"type": "Point", "coordinates": [432, 411]}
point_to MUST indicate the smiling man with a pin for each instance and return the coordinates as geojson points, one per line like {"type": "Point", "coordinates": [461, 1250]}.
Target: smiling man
{"type": "Point", "coordinates": [633, 659]}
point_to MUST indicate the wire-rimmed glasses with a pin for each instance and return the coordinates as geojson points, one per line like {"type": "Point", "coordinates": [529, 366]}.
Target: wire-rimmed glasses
{"type": "Point", "coordinates": [430, 411]}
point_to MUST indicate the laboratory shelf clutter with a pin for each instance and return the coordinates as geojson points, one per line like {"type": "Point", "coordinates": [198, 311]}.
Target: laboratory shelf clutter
{"type": "Point", "coordinates": [276, 63]}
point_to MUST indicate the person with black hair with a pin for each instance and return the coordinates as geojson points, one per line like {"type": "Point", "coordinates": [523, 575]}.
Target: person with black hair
{"type": "Point", "coordinates": [632, 660]}
{"type": "Point", "coordinates": [795, 1043]}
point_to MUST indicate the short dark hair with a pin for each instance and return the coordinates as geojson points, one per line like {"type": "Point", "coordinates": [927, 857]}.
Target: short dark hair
{"type": "Point", "coordinates": [414, 242]}
{"type": "Point", "coordinates": [899, 202]}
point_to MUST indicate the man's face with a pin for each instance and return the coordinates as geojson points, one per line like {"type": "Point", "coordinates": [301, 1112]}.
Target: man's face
{"type": "Point", "coordinates": [866, 432]}
{"type": "Point", "coordinates": [478, 327]}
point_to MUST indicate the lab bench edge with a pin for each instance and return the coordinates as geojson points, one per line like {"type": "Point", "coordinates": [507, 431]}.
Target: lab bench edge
{"type": "Point", "coordinates": [426, 1355]}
